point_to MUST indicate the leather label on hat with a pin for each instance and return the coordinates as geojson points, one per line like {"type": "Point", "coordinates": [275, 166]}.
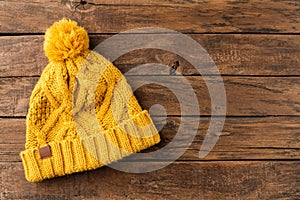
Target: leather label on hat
{"type": "Point", "coordinates": [45, 152]}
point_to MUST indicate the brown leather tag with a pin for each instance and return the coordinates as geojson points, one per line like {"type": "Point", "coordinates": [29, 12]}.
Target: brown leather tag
{"type": "Point", "coordinates": [45, 152]}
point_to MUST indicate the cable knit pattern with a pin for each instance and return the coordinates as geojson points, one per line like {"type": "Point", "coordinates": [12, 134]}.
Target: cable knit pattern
{"type": "Point", "coordinates": [65, 111]}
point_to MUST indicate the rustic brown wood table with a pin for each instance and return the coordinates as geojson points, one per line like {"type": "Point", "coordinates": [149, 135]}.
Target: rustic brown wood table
{"type": "Point", "coordinates": [256, 47]}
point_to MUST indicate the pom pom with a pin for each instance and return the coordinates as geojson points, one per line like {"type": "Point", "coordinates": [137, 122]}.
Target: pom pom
{"type": "Point", "coordinates": [65, 40]}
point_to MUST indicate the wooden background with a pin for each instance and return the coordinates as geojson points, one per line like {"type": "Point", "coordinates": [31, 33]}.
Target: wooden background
{"type": "Point", "coordinates": [256, 46]}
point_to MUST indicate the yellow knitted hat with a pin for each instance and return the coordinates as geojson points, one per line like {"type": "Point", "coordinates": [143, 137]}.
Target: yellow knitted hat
{"type": "Point", "coordinates": [74, 123]}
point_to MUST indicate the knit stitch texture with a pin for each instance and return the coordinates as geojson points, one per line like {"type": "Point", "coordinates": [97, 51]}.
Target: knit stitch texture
{"type": "Point", "coordinates": [64, 114]}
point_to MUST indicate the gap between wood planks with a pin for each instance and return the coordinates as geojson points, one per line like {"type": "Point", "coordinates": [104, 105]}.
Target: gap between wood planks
{"type": "Point", "coordinates": [184, 32]}
{"type": "Point", "coordinates": [182, 161]}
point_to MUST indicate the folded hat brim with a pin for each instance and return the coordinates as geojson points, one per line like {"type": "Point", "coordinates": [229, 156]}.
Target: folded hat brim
{"type": "Point", "coordinates": [81, 154]}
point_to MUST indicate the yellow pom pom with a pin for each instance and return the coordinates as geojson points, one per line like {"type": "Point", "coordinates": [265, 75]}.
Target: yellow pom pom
{"type": "Point", "coordinates": [65, 40]}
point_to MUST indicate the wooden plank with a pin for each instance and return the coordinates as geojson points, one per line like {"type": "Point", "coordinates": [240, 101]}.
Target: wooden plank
{"type": "Point", "coordinates": [184, 180]}
{"type": "Point", "coordinates": [270, 55]}
{"type": "Point", "coordinates": [119, 2]}
{"type": "Point", "coordinates": [203, 16]}
{"type": "Point", "coordinates": [182, 3]}
{"type": "Point", "coordinates": [233, 55]}
{"type": "Point", "coordinates": [17, 97]}
{"type": "Point", "coordinates": [246, 96]}
{"type": "Point", "coordinates": [241, 138]}
{"type": "Point", "coordinates": [22, 56]}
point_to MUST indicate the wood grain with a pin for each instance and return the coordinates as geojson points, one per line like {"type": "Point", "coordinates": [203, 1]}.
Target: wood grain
{"type": "Point", "coordinates": [233, 54]}
{"type": "Point", "coordinates": [246, 96]}
{"type": "Point", "coordinates": [184, 180]}
{"type": "Point", "coordinates": [198, 17]}
{"type": "Point", "coordinates": [255, 45]}
{"type": "Point", "coordinates": [241, 138]}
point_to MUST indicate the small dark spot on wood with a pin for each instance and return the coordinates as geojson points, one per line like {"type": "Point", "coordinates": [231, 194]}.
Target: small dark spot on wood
{"type": "Point", "coordinates": [174, 68]}
{"type": "Point", "coordinates": [64, 1]}
{"type": "Point", "coordinates": [80, 5]}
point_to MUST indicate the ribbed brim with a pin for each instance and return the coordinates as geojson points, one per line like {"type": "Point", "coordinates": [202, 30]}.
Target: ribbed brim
{"type": "Point", "coordinates": [70, 156]}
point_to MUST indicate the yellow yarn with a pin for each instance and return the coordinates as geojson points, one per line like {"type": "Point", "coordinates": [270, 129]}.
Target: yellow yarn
{"type": "Point", "coordinates": [65, 40]}
{"type": "Point", "coordinates": [50, 119]}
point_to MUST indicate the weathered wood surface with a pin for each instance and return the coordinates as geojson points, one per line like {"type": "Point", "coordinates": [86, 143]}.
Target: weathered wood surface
{"type": "Point", "coordinates": [234, 54]}
{"type": "Point", "coordinates": [201, 16]}
{"type": "Point", "coordinates": [256, 47]}
{"type": "Point", "coordinates": [246, 96]}
{"type": "Point", "coordinates": [241, 139]}
{"type": "Point", "coordinates": [197, 180]}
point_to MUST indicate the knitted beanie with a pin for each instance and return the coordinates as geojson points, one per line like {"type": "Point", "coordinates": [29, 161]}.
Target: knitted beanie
{"type": "Point", "coordinates": [75, 123]}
